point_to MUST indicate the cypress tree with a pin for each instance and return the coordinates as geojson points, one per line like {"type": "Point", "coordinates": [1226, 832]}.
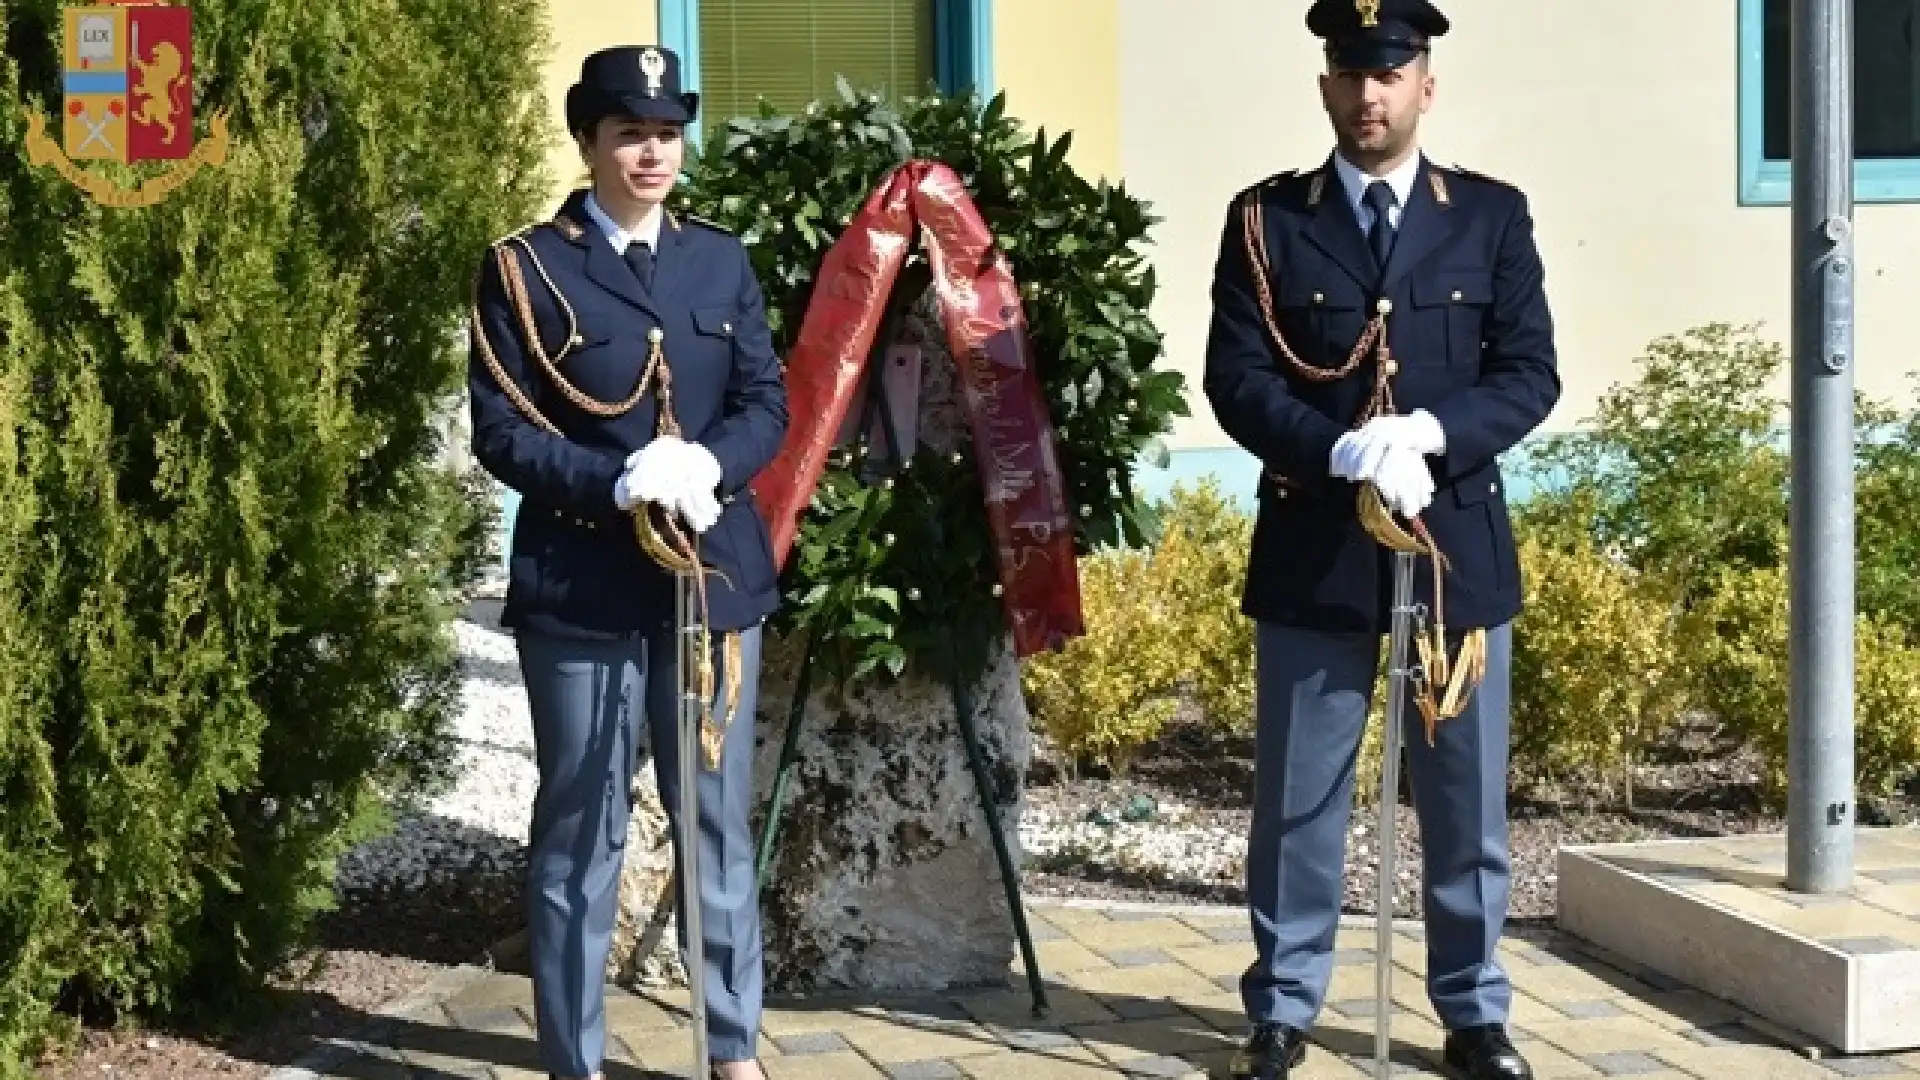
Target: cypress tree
{"type": "Point", "coordinates": [230, 538]}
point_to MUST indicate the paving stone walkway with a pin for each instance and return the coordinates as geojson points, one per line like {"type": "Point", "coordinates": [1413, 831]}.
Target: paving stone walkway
{"type": "Point", "coordinates": [1135, 992]}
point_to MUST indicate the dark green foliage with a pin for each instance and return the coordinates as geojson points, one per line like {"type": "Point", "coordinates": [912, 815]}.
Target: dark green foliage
{"type": "Point", "coordinates": [905, 574]}
{"type": "Point", "coordinates": [230, 547]}
{"type": "Point", "coordinates": [1685, 472]}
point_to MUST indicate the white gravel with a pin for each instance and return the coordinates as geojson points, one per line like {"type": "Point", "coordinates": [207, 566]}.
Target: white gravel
{"type": "Point", "coordinates": [1178, 842]}
{"type": "Point", "coordinates": [481, 823]}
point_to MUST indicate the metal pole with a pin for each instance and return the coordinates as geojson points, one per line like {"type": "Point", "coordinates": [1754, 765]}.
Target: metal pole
{"type": "Point", "coordinates": [1398, 648]}
{"type": "Point", "coordinates": [1821, 600]}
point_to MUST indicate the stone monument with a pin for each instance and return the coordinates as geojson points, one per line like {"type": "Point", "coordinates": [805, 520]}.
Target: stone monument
{"type": "Point", "coordinates": [884, 877]}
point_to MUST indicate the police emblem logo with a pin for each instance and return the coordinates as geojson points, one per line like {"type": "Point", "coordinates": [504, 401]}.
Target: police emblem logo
{"type": "Point", "coordinates": [128, 98]}
{"type": "Point", "coordinates": [655, 67]}
{"type": "Point", "coordinates": [1369, 11]}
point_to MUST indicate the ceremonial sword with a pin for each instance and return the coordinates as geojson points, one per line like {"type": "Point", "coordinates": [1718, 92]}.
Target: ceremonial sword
{"type": "Point", "coordinates": [688, 637]}
{"type": "Point", "coordinates": [1399, 642]}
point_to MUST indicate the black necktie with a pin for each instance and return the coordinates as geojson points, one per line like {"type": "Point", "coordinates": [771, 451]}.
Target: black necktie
{"type": "Point", "coordinates": [640, 258]}
{"type": "Point", "coordinates": [1379, 199]}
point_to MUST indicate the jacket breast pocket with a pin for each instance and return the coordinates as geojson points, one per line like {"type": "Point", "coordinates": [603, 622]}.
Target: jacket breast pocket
{"type": "Point", "coordinates": [714, 324]}
{"type": "Point", "coordinates": [599, 364]}
{"type": "Point", "coordinates": [1454, 304]}
{"type": "Point", "coordinates": [1321, 320]}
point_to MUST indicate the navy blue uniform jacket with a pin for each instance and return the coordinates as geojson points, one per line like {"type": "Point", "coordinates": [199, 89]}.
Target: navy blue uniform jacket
{"type": "Point", "coordinates": [1473, 339]}
{"type": "Point", "coordinates": [576, 568]}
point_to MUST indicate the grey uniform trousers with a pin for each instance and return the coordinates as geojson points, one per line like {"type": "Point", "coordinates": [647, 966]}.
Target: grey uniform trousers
{"type": "Point", "coordinates": [1313, 693]}
{"type": "Point", "coordinates": [597, 706]}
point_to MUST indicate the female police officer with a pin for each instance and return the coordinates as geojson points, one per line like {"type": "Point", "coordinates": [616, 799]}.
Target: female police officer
{"type": "Point", "coordinates": [581, 322]}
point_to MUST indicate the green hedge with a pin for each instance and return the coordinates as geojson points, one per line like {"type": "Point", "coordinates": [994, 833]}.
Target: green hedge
{"type": "Point", "coordinates": [1654, 558]}
{"type": "Point", "coordinates": [230, 549]}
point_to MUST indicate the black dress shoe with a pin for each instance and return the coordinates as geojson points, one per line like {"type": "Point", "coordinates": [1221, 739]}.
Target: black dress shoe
{"type": "Point", "coordinates": [1485, 1053]}
{"type": "Point", "coordinates": [1270, 1053]}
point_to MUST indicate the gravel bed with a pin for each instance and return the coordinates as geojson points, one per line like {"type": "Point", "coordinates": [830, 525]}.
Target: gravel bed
{"type": "Point", "coordinates": [479, 826]}
{"type": "Point", "coordinates": [1174, 827]}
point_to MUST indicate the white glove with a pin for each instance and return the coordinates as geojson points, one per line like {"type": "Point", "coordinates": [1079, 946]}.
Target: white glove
{"type": "Point", "coordinates": [1358, 454]}
{"type": "Point", "coordinates": [651, 474]}
{"type": "Point", "coordinates": [1417, 430]}
{"type": "Point", "coordinates": [1345, 461]}
{"type": "Point", "coordinates": [702, 466]}
{"type": "Point", "coordinates": [1404, 482]}
{"type": "Point", "coordinates": [699, 509]}
{"type": "Point", "coordinates": [623, 496]}
{"type": "Point", "coordinates": [697, 476]}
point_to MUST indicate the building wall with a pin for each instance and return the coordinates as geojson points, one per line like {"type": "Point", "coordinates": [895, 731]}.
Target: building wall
{"type": "Point", "coordinates": [1059, 63]}
{"type": "Point", "coordinates": [576, 28]}
{"type": "Point", "coordinates": [1622, 131]}
{"type": "Point", "coordinates": [1057, 60]}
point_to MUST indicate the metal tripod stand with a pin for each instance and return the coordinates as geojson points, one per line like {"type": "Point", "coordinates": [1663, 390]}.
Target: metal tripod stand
{"type": "Point", "coordinates": [875, 407]}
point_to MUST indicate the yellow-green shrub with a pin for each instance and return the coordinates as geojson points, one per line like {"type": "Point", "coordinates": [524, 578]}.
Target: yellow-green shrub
{"type": "Point", "coordinates": [1199, 564]}
{"type": "Point", "coordinates": [1160, 622]}
{"type": "Point", "coordinates": [1735, 646]}
{"type": "Point", "coordinates": [1111, 690]}
{"type": "Point", "coordinates": [1596, 671]}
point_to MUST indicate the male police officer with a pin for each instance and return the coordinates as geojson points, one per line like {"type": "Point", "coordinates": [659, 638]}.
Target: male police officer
{"type": "Point", "coordinates": [1446, 260]}
{"type": "Point", "coordinates": [576, 319]}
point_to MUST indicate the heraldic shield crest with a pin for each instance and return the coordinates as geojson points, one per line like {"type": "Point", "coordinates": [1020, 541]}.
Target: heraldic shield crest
{"type": "Point", "coordinates": [127, 97]}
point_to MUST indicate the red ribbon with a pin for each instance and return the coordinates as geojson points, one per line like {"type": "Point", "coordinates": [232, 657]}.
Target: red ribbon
{"type": "Point", "coordinates": [987, 330]}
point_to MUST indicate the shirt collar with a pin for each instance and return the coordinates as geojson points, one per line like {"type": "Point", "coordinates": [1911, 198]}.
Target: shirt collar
{"type": "Point", "coordinates": [648, 233]}
{"type": "Point", "coordinates": [1399, 181]}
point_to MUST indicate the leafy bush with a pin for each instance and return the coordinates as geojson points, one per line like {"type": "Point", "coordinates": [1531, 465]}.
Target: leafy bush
{"type": "Point", "coordinates": [906, 573]}
{"type": "Point", "coordinates": [1161, 622]}
{"type": "Point", "coordinates": [1596, 670]}
{"type": "Point", "coordinates": [1199, 564]}
{"type": "Point", "coordinates": [1111, 691]}
{"type": "Point", "coordinates": [231, 555]}
{"type": "Point", "coordinates": [1887, 523]}
{"type": "Point", "coordinates": [1681, 472]}
{"type": "Point", "coordinates": [1683, 476]}
{"type": "Point", "coordinates": [1736, 643]}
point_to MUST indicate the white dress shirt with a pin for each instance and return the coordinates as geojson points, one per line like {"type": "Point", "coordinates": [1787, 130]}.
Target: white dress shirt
{"type": "Point", "coordinates": [1399, 181]}
{"type": "Point", "coordinates": [648, 233]}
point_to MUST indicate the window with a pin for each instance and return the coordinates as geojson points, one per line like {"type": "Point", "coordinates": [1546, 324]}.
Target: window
{"type": "Point", "coordinates": [791, 50]}
{"type": "Point", "coordinates": [1886, 105]}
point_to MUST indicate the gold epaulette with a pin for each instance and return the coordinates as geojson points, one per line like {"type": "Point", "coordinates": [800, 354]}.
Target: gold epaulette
{"type": "Point", "coordinates": [515, 234]}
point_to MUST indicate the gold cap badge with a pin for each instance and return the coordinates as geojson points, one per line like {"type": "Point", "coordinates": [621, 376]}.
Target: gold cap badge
{"type": "Point", "coordinates": [1369, 11]}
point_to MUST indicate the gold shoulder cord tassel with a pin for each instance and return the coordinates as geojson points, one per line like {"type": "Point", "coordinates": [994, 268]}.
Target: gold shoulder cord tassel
{"type": "Point", "coordinates": [677, 552]}
{"type": "Point", "coordinates": [1456, 678]}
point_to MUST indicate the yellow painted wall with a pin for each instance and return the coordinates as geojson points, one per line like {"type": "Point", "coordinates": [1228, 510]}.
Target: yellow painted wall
{"type": "Point", "coordinates": [1059, 63]}
{"type": "Point", "coordinates": [1057, 60]}
{"type": "Point", "coordinates": [1622, 132]}
{"type": "Point", "coordinates": [576, 28]}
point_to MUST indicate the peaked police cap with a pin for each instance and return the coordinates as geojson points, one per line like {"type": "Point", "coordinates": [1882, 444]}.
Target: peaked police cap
{"type": "Point", "coordinates": [640, 81]}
